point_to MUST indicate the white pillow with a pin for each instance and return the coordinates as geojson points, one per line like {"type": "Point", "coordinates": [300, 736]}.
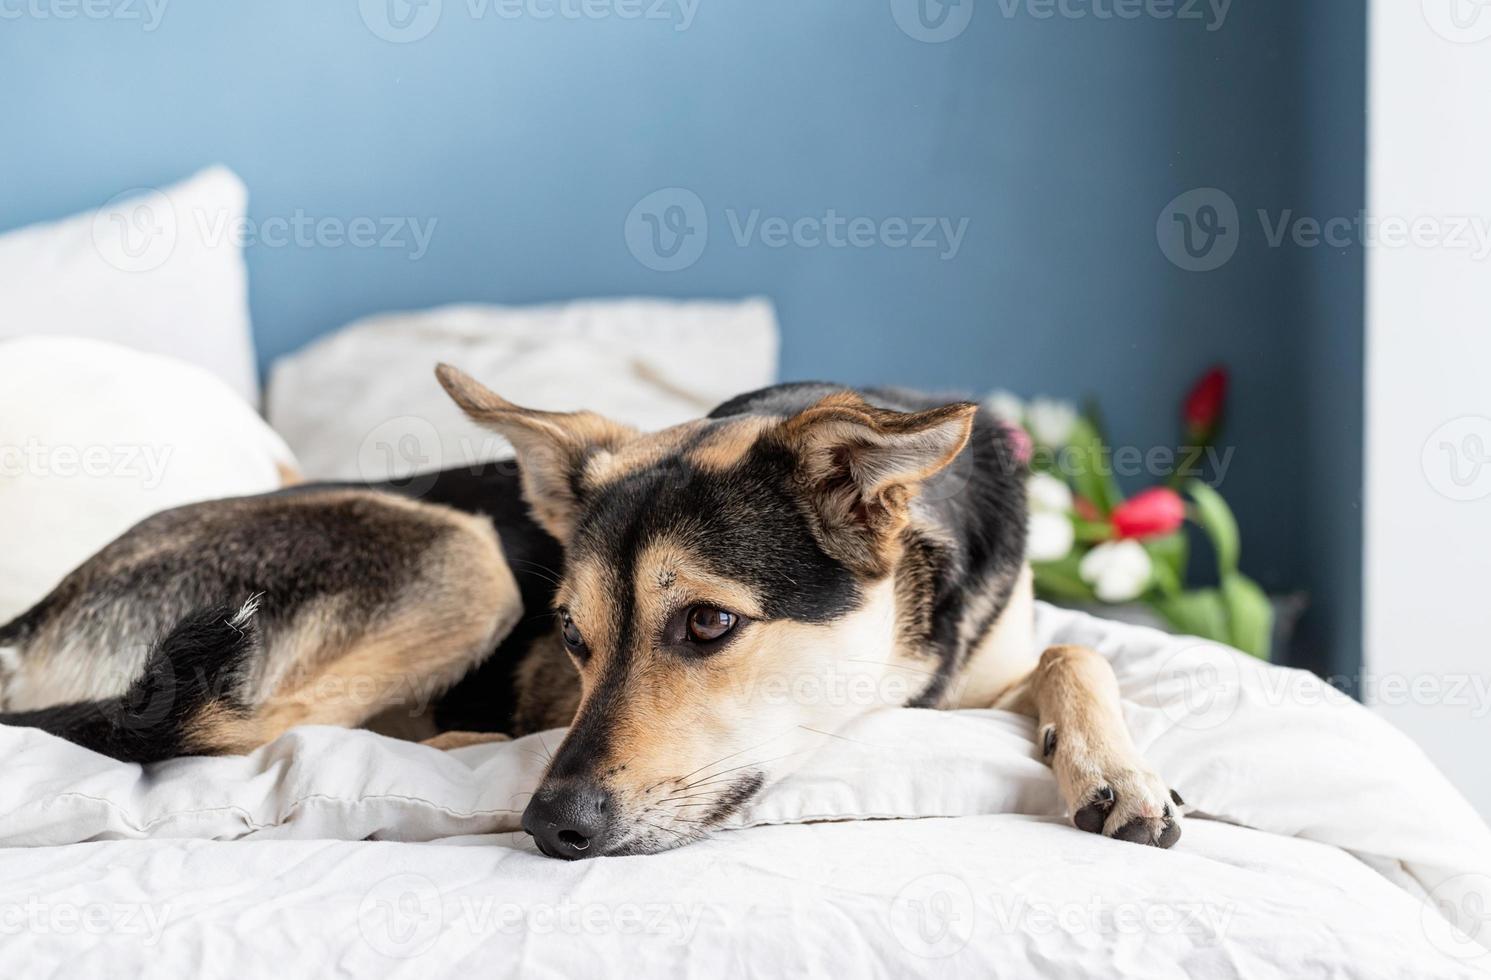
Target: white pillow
{"type": "Point", "coordinates": [95, 437]}
{"type": "Point", "coordinates": [363, 403]}
{"type": "Point", "coordinates": [156, 270]}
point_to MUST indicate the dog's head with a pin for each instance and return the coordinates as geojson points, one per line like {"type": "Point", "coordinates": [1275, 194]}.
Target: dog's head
{"type": "Point", "coordinates": [728, 598]}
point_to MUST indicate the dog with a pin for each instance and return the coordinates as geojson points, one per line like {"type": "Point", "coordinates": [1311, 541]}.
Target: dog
{"type": "Point", "coordinates": [692, 603]}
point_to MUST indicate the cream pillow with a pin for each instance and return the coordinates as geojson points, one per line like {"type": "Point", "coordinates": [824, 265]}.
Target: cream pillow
{"type": "Point", "coordinates": [154, 269]}
{"type": "Point", "coordinates": [95, 437]}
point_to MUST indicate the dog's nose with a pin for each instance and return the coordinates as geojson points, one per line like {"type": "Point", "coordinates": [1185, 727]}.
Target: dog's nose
{"type": "Point", "coordinates": [569, 820]}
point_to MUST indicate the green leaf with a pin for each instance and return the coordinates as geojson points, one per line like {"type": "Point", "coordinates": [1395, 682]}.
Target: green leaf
{"type": "Point", "coordinates": [1168, 554]}
{"type": "Point", "coordinates": [1091, 473]}
{"type": "Point", "coordinates": [1091, 532]}
{"type": "Point", "coordinates": [1215, 517]}
{"type": "Point", "coordinates": [1059, 580]}
{"type": "Point", "coordinates": [1249, 615]}
{"type": "Point", "coordinates": [1200, 613]}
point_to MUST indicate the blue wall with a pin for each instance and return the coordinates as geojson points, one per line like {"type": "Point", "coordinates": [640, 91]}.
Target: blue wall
{"type": "Point", "coordinates": [529, 141]}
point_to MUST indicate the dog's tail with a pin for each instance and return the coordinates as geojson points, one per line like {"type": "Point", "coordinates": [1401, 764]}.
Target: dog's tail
{"type": "Point", "coordinates": [189, 687]}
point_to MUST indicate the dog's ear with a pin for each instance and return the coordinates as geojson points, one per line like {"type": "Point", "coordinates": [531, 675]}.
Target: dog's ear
{"type": "Point", "coordinates": [859, 466]}
{"type": "Point", "coordinates": [553, 447]}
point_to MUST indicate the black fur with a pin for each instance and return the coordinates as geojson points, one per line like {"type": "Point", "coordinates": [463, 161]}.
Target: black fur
{"type": "Point", "coordinates": [199, 662]}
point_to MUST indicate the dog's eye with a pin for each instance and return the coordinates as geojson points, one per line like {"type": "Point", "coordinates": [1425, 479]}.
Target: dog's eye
{"type": "Point", "coordinates": [571, 634]}
{"type": "Point", "coordinates": [707, 623]}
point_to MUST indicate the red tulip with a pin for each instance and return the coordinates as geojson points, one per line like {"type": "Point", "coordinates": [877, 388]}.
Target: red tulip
{"type": "Point", "coordinates": [1149, 514]}
{"type": "Point", "coordinates": [1203, 408]}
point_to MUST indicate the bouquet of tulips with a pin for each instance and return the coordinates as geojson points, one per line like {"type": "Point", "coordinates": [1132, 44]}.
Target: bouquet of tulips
{"type": "Point", "coordinates": [1090, 545]}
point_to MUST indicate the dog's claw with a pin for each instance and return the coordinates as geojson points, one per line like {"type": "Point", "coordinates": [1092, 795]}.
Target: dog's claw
{"type": "Point", "coordinates": [1049, 742]}
{"type": "Point", "coordinates": [1092, 816]}
{"type": "Point", "coordinates": [1176, 797]}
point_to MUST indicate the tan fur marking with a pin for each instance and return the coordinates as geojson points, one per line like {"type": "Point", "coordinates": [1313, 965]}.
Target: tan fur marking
{"type": "Point", "coordinates": [728, 443]}
{"type": "Point", "coordinates": [447, 741]}
{"type": "Point", "coordinates": [289, 475]}
{"type": "Point", "coordinates": [637, 454]}
{"type": "Point", "coordinates": [461, 602]}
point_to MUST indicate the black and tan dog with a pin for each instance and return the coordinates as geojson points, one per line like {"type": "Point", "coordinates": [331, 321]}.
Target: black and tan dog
{"type": "Point", "coordinates": [701, 606]}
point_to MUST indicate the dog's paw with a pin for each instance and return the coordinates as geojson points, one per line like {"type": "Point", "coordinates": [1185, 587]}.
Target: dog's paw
{"type": "Point", "coordinates": [1123, 801]}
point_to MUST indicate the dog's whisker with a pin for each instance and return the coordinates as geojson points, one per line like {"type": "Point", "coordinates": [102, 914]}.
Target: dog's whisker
{"type": "Point", "coordinates": [716, 762]}
{"type": "Point", "coordinates": [760, 762]}
{"type": "Point", "coordinates": [842, 738]}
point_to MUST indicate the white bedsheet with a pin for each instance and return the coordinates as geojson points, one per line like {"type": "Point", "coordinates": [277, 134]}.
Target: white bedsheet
{"type": "Point", "coordinates": [1323, 843]}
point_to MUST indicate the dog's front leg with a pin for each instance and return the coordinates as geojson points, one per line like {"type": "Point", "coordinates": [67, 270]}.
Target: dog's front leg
{"type": "Point", "coordinates": [1107, 786]}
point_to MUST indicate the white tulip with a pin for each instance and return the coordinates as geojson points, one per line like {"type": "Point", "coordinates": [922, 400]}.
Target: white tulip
{"type": "Point", "coordinates": [1049, 494]}
{"type": "Point", "coordinates": [1006, 406]}
{"type": "Point", "coordinates": [1048, 537]}
{"type": "Point", "coordinates": [1051, 421]}
{"type": "Point", "coordinates": [1117, 570]}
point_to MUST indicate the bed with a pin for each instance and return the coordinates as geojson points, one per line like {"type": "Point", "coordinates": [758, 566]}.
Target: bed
{"type": "Point", "coordinates": [1319, 840]}
{"type": "Point", "coordinates": [1320, 843]}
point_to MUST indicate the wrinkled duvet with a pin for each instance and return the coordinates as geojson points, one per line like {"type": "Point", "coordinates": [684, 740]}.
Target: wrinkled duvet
{"type": "Point", "coordinates": [1320, 842]}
